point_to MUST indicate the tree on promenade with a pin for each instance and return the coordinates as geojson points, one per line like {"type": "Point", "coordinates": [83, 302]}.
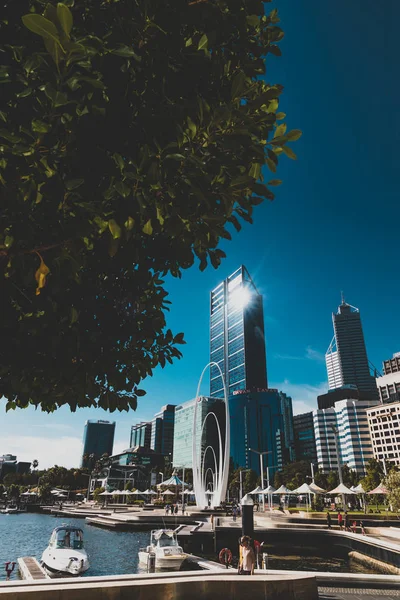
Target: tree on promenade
{"type": "Point", "coordinates": [392, 482]}
{"type": "Point", "coordinates": [133, 134]}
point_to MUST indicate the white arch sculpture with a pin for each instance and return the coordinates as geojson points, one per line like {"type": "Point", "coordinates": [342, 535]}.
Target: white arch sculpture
{"type": "Point", "coordinates": [220, 477]}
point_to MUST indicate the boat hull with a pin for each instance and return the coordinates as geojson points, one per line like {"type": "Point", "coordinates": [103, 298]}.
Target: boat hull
{"type": "Point", "coordinates": [171, 563]}
{"type": "Point", "coordinates": [65, 563]}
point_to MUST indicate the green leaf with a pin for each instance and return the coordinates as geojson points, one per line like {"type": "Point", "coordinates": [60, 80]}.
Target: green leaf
{"type": "Point", "coordinates": [178, 339]}
{"type": "Point", "coordinates": [271, 165]}
{"type": "Point", "coordinates": [41, 26]}
{"type": "Point", "coordinates": [129, 223]}
{"type": "Point", "coordinates": [238, 84]}
{"type": "Point", "coordinates": [280, 130]}
{"type": "Point", "coordinates": [40, 126]}
{"type": "Point", "coordinates": [147, 228]}
{"type": "Point", "coordinates": [189, 42]}
{"type": "Point", "coordinates": [255, 170]}
{"type": "Point", "coordinates": [74, 315]}
{"type": "Point", "coordinates": [203, 42]}
{"type": "Point", "coordinates": [253, 20]}
{"type": "Point", "coordinates": [294, 135]}
{"type": "Point", "coordinates": [280, 116]}
{"type": "Point", "coordinates": [140, 392]}
{"type": "Point", "coordinates": [64, 16]}
{"type": "Point", "coordinates": [8, 242]}
{"type": "Point", "coordinates": [72, 184]}
{"type": "Point", "coordinates": [275, 182]}
{"type": "Point", "coordinates": [192, 127]}
{"type": "Point", "coordinates": [126, 52]}
{"type": "Point", "coordinates": [289, 152]}
{"type": "Point", "coordinates": [114, 228]}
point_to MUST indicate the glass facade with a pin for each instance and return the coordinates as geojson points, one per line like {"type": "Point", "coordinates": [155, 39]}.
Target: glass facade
{"type": "Point", "coordinates": [237, 341]}
{"type": "Point", "coordinates": [98, 439]}
{"type": "Point", "coordinates": [162, 430]}
{"type": "Point", "coordinates": [257, 423]}
{"type": "Point", "coordinates": [304, 437]}
{"type": "Point", "coordinates": [183, 434]}
{"type": "Point", "coordinates": [141, 435]}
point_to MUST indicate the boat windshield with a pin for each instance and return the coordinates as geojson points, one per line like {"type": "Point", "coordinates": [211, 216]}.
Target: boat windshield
{"type": "Point", "coordinates": [166, 540]}
{"type": "Point", "coordinates": [69, 538]}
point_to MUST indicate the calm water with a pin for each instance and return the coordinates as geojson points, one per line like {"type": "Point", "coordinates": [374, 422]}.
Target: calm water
{"type": "Point", "coordinates": [110, 552]}
{"type": "Point", "coordinates": [116, 552]}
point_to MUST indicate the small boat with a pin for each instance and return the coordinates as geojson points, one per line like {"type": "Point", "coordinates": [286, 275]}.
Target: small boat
{"type": "Point", "coordinates": [65, 554]}
{"type": "Point", "coordinates": [168, 553]}
{"type": "Point", "coordinates": [11, 510]}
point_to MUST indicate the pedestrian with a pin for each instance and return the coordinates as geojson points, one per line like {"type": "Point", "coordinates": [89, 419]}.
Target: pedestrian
{"type": "Point", "coordinates": [247, 557]}
{"type": "Point", "coordinates": [354, 527]}
{"type": "Point", "coordinates": [346, 521]}
{"type": "Point", "coordinates": [176, 509]}
{"type": "Point", "coordinates": [328, 519]}
{"type": "Point", "coordinates": [166, 509]}
{"type": "Point", "coordinates": [362, 528]}
{"type": "Point", "coordinates": [234, 512]}
{"type": "Point", "coordinates": [340, 520]}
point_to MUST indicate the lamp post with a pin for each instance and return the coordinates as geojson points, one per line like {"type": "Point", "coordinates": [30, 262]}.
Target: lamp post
{"type": "Point", "coordinates": [335, 435]}
{"type": "Point", "coordinates": [162, 475]}
{"type": "Point", "coordinates": [241, 482]}
{"type": "Point", "coordinates": [261, 454]}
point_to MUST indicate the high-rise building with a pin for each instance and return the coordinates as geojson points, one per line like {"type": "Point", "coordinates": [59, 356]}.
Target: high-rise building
{"type": "Point", "coordinates": [237, 341]}
{"type": "Point", "coordinates": [349, 419]}
{"type": "Point", "coordinates": [207, 436]}
{"type": "Point", "coordinates": [98, 439]}
{"type": "Point", "coordinates": [384, 427]}
{"type": "Point", "coordinates": [389, 384]}
{"type": "Point", "coordinates": [289, 454]}
{"type": "Point", "coordinates": [346, 358]}
{"type": "Point", "coordinates": [304, 437]}
{"type": "Point", "coordinates": [162, 430]}
{"type": "Point", "coordinates": [257, 424]}
{"type": "Point", "coordinates": [141, 435]}
{"type": "Point", "coordinates": [10, 464]}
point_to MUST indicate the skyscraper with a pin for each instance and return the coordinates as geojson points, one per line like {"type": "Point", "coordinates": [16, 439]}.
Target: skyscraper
{"type": "Point", "coordinates": [141, 435]}
{"type": "Point", "coordinates": [346, 358]}
{"type": "Point", "coordinates": [98, 439]}
{"type": "Point", "coordinates": [237, 342]}
{"type": "Point", "coordinates": [304, 437]}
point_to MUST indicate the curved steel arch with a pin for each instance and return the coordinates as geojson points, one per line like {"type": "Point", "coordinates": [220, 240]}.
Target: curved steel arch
{"type": "Point", "coordinates": [221, 476]}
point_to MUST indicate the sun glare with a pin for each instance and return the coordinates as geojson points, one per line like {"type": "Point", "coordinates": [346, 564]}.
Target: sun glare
{"type": "Point", "coordinates": [240, 297]}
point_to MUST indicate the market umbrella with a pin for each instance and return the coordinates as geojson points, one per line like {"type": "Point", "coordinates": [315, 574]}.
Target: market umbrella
{"type": "Point", "coordinates": [137, 493]}
{"type": "Point", "coordinates": [257, 490]}
{"type": "Point", "coordinates": [316, 489]}
{"type": "Point", "coordinates": [174, 480]}
{"type": "Point", "coordinates": [358, 489]}
{"type": "Point", "coordinates": [105, 494]}
{"type": "Point", "coordinates": [283, 490]}
{"type": "Point", "coordinates": [167, 493]}
{"type": "Point", "coordinates": [341, 489]}
{"type": "Point", "coordinates": [149, 492]}
{"type": "Point", "coordinates": [304, 489]}
{"type": "Point", "coordinates": [381, 489]}
{"type": "Point", "coordinates": [269, 490]}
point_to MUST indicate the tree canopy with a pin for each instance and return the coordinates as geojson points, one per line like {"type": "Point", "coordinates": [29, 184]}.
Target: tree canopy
{"type": "Point", "coordinates": [133, 136]}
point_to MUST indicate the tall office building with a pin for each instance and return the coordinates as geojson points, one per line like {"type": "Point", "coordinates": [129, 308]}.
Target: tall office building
{"type": "Point", "coordinates": [141, 435]}
{"type": "Point", "coordinates": [349, 419]}
{"type": "Point", "coordinates": [289, 454]}
{"type": "Point", "coordinates": [304, 437]}
{"type": "Point", "coordinates": [384, 426]}
{"type": "Point", "coordinates": [98, 439]}
{"type": "Point", "coordinates": [205, 437]}
{"type": "Point", "coordinates": [237, 341]}
{"type": "Point", "coordinates": [162, 430]}
{"type": "Point", "coordinates": [257, 424]}
{"type": "Point", "coordinates": [346, 358]}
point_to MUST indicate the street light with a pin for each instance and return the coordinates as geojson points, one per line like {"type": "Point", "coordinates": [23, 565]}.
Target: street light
{"type": "Point", "coordinates": [241, 482]}
{"type": "Point", "coordinates": [261, 454]}
{"type": "Point", "coordinates": [335, 435]}
{"type": "Point", "coordinates": [162, 475]}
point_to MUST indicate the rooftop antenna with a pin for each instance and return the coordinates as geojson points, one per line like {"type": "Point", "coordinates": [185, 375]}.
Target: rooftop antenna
{"type": "Point", "coordinates": [342, 294]}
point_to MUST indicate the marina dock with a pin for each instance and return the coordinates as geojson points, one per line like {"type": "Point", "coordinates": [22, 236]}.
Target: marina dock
{"type": "Point", "coordinates": [30, 569]}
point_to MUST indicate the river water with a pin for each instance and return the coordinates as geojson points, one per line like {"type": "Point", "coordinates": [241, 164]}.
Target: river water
{"type": "Point", "coordinates": [110, 552]}
{"type": "Point", "coordinates": [116, 552]}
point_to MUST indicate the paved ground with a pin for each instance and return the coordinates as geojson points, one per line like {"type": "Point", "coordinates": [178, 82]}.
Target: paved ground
{"type": "Point", "coordinates": [326, 593]}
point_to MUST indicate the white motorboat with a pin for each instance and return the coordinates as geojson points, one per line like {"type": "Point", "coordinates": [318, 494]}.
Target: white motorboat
{"type": "Point", "coordinates": [164, 545]}
{"type": "Point", "coordinates": [65, 554]}
{"type": "Point", "coordinates": [11, 510]}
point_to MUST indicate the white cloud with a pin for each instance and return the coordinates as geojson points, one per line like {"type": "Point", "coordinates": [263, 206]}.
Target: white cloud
{"type": "Point", "coordinates": [312, 354]}
{"type": "Point", "coordinates": [304, 396]}
{"type": "Point", "coordinates": [65, 451]}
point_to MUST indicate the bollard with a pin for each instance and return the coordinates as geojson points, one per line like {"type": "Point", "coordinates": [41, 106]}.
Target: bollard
{"type": "Point", "coordinates": [247, 505]}
{"type": "Point", "coordinates": [151, 562]}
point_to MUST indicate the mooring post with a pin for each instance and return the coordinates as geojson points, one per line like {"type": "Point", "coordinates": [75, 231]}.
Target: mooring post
{"type": "Point", "coordinates": [247, 505]}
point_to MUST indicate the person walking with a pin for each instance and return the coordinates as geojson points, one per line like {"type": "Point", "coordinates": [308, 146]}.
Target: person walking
{"type": "Point", "coordinates": [362, 528]}
{"type": "Point", "coordinates": [328, 519]}
{"type": "Point", "coordinates": [234, 512]}
{"type": "Point", "coordinates": [247, 557]}
{"type": "Point", "coordinates": [340, 520]}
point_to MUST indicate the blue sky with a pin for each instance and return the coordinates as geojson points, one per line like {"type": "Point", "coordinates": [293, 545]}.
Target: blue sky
{"type": "Point", "coordinates": [333, 226]}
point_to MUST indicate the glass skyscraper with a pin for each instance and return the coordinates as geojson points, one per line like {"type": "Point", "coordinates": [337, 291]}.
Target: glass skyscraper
{"type": "Point", "coordinates": [98, 439]}
{"type": "Point", "coordinates": [237, 342]}
{"type": "Point", "coordinates": [346, 358]}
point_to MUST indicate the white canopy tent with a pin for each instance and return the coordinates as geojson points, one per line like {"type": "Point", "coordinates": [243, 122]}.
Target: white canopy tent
{"type": "Point", "coordinates": [167, 493]}
{"type": "Point", "coordinates": [316, 489]}
{"type": "Point", "coordinates": [358, 489]}
{"type": "Point", "coordinates": [341, 489]}
{"type": "Point", "coordinates": [283, 490]}
{"type": "Point", "coordinates": [257, 490]}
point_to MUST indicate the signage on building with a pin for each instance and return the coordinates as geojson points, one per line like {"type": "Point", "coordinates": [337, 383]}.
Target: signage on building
{"type": "Point", "coordinates": [239, 392]}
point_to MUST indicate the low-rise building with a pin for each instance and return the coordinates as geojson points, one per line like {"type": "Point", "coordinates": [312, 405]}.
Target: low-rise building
{"type": "Point", "coordinates": [384, 427]}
